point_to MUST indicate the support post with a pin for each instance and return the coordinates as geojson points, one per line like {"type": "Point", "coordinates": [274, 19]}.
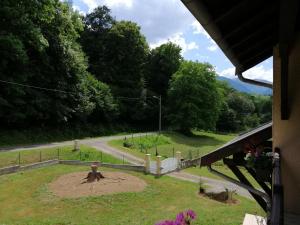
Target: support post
{"type": "Point", "coordinates": [178, 157]}
{"type": "Point", "coordinates": [76, 145]}
{"type": "Point", "coordinates": [158, 166]}
{"type": "Point", "coordinates": [147, 163]}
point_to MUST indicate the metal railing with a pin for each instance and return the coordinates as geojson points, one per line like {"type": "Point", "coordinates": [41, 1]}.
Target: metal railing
{"type": "Point", "coordinates": [277, 195]}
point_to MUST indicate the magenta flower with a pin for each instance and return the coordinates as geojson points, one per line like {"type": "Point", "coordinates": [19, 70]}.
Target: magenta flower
{"type": "Point", "coordinates": [182, 218]}
{"type": "Point", "coordinates": [190, 213]}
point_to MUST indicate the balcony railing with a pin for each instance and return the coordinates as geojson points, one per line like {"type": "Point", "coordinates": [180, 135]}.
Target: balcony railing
{"type": "Point", "coordinates": [277, 192]}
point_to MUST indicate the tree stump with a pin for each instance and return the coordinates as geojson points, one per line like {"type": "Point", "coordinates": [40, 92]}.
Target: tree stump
{"type": "Point", "coordinates": [94, 174]}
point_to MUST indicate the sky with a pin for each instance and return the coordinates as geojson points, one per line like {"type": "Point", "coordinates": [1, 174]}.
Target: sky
{"type": "Point", "coordinates": [169, 20]}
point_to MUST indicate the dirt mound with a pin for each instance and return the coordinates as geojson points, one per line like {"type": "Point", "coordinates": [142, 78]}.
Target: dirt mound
{"type": "Point", "coordinates": [71, 185]}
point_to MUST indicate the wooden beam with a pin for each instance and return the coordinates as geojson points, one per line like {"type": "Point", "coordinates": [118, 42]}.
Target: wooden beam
{"type": "Point", "coordinates": [287, 26]}
{"type": "Point", "coordinates": [263, 54]}
{"type": "Point", "coordinates": [261, 58]}
{"type": "Point", "coordinates": [251, 35]}
{"type": "Point", "coordinates": [261, 183]}
{"type": "Point", "coordinates": [258, 45]}
{"type": "Point", "coordinates": [257, 17]}
{"type": "Point", "coordinates": [234, 9]}
{"type": "Point", "coordinates": [244, 180]}
{"type": "Point", "coordinates": [255, 136]}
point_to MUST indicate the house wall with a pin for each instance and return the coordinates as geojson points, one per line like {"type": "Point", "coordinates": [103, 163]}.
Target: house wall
{"type": "Point", "coordinates": [286, 133]}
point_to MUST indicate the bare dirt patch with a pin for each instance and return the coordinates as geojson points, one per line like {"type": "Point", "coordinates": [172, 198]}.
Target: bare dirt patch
{"type": "Point", "coordinates": [71, 185]}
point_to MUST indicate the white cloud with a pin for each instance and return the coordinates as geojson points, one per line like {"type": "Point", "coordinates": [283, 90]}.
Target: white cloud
{"type": "Point", "coordinates": [158, 19]}
{"type": "Point", "coordinates": [91, 4]}
{"type": "Point", "coordinates": [258, 72]}
{"type": "Point", "coordinates": [179, 40]}
{"type": "Point", "coordinates": [198, 29]}
{"type": "Point", "coordinates": [229, 72]}
{"type": "Point", "coordinates": [77, 8]}
{"type": "Point", "coordinates": [212, 48]}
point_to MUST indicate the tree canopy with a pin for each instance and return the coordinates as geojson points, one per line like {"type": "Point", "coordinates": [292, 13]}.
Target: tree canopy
{"type": "Point", "coordinates": [58, 67]}
{"type": "Point", "coordinates": [38, 42]}
{"type": "Point", "coordinates": [193, 97]}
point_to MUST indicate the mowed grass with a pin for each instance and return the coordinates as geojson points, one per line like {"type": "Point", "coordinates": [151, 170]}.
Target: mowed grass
{"type": "Point", "coordinates": [85, 153]}
{"type": "Point", "coordinates": [195, 146]}
{"type": "Point", "coordinates": [169, 143]}
{"type": "Point", "coordinates": [25, 199]}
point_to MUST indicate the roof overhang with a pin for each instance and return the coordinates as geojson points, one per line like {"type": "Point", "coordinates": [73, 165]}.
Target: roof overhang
{"type": "Point", "coordinates": [245, 30]}
{"type": "Point", "coordinates": [253, 137]}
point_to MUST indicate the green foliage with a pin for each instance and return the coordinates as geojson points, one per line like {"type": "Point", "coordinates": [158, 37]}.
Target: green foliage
{"type": "Point", "coordinates": [242, 111]}
{"type": "Point", "coordinates": [145, 142]}
{"type": "Point", "coordinates": [193, 97]}
{"type": "Point", "coordinates": [164, 61]}
{"type": "Point", "coordinates": [29, 156]}
{"type": "Point", "coordinates": [39, 43]}
{"type": "Point", "coordinates": [117, 54]}
{"type": "Point", "coordinates": [196, 145]}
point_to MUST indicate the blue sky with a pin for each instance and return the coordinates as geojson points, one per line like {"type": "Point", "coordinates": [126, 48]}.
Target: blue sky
{"type": "Point", "coordinates": [169, 20]}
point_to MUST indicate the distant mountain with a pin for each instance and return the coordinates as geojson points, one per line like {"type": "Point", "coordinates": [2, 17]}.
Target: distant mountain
{"type": "Point", "coordinates": [245, 87]}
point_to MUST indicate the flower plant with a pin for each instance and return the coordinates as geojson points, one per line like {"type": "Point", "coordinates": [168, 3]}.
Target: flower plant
{"type": "Point", "coordinates": [182, 218]}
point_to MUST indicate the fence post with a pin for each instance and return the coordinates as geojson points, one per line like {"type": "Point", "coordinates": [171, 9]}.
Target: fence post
{"type": "Point", "coordinates": [40, 156]}
{"type": "Point", "coordinates": [19, 158]}
{"type": "Point", "coordinates": [147, 163]}
{"type": "Point", "coordinates": [178, 157]}
{"type": "Point", "coordinates": [158, 166]}
{"type": "Point", "coordinates": [76, 145]}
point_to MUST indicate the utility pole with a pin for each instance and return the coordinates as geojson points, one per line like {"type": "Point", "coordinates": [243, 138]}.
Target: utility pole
{"type": "Point", "coordinates": [159, 116]}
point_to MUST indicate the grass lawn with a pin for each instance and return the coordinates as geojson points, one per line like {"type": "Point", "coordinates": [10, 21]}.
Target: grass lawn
{"type": "Point", "coordinates": [203, 172]}
{"type": "Point", "coordinates": [199, 144]}
{"type": "Point", "coordinates": [86, 153]}
{"type": "Point", "coordinates": [25, 199]}
{"type": "Point", "coordinates": [190, 147]}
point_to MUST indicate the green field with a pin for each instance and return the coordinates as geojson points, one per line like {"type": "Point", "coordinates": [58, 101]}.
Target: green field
{"type": "Point", "coordinates": [199, 144]}
{"type": "Point", "coordinates": [169, 142]}
{"type": "Point", "coordinates": [25, 199]}
{"type": "Point", "coordinates": [85, 153]}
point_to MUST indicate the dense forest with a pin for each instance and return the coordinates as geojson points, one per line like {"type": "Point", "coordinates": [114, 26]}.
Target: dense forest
{"type": "Point", "coordinates": [61, 69]}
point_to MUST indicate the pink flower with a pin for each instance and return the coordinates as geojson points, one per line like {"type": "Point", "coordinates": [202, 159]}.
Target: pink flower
{"type": "Point", "coordinates": [190, 213]}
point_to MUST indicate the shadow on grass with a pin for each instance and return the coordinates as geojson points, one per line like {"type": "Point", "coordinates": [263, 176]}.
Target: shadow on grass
{"type": "Point", "coordinates": [193, 140]}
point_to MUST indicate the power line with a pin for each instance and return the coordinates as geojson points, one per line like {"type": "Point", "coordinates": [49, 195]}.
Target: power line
{"type": "Point", "coordinates": [62, 91]}
{"type": "Point", "coordinates": [37, 87]}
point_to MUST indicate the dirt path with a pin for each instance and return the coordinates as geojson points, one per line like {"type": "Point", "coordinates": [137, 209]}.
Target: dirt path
{"type": "Point", "coordinates": [71, 142]}
{"type": "Point", "coordinates": [104, 147]}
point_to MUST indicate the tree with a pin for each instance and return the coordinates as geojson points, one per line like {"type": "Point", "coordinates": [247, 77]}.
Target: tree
{"type": "Point", "coordinates": [164, 61]}
{"type": "Point", "coordinates": [39, 45]}
{"type": "Point", "coordinates": [94, 40]}
{"type": "Point", "coordinates": [193, 97]}
{"type": "Point", "coordinates": [117, 54]}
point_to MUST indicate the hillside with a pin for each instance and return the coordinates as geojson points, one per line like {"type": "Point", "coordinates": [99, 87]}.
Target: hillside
{"type": "Point", "coordinates": [244, 87]}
